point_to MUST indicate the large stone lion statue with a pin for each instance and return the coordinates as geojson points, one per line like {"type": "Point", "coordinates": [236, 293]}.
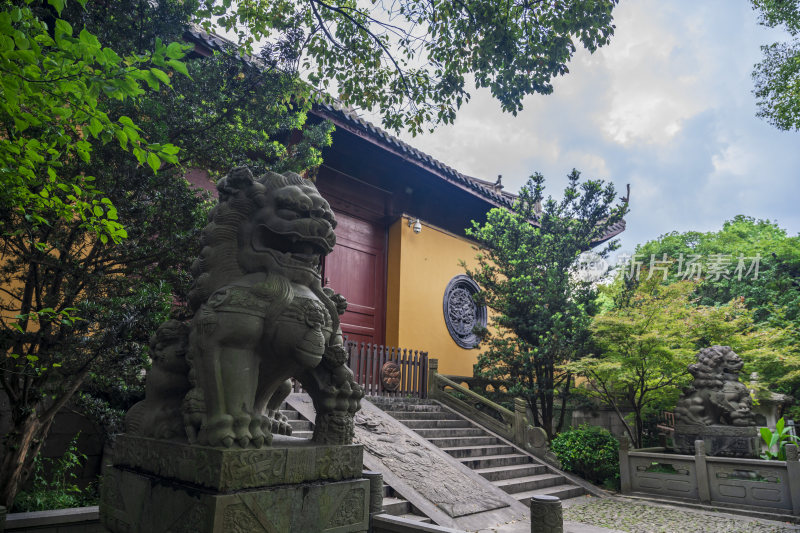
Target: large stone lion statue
{"type": "Point", "coordinates": [716, 397]}
{"type": "Point", "coordinates": [261, 317]}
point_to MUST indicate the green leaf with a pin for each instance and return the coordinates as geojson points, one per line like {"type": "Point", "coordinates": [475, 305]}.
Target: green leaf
{"type": "Point", "coordinates": [179, 67]}
{"type": "Point", "coordinates": [58, 5]}
{"type": "Point", "coordinates": [123, 139]}
{"type": "Point", "coordinates": [766, 435]}
{"type": "Point", "coordinates": [175, 50]}
{"type": "Point", "coordinates": [153, 161]}
{"type": "Point", "coordinates": [161, 75]}
{"type": "Point", "coordinates": [95, 127]}
{"type": "Point", "coordinates": [63, 28]}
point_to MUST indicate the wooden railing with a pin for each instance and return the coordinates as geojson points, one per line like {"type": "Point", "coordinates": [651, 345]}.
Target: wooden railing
{"type": "Point", "coordinates": [407, 375]}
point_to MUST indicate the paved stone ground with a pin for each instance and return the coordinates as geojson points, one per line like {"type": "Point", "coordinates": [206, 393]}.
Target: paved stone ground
{"type": "Point", "coordinates": [640, 517]}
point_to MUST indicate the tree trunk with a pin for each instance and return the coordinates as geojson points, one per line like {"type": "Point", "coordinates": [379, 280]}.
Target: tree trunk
{"type": "Point", "coordinates": [639, 428]}
{"type": "Point", "coordinates": [564, 399]}
{"type": "Point", "coordinates": [22, 445]}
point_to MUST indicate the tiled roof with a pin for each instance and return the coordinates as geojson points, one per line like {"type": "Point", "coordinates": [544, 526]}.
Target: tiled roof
{"type": "Point", "coordinates": [479, 187]}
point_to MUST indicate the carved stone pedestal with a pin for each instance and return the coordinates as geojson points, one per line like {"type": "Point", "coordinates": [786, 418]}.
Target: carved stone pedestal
{"type": "Point", "coordinates": [546, 514]}
{"type": "Point", "coordinates": [293, 486]}
{"type": "Point", "coordinates": [720, 441]}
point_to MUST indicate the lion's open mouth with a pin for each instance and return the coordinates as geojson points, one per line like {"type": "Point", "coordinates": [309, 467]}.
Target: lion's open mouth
{"type": "Point", "coordinates": [304, 249]}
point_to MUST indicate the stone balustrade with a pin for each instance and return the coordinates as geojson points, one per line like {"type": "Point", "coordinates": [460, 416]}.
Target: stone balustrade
{"type": "Point", "coordinates": [745, 484]}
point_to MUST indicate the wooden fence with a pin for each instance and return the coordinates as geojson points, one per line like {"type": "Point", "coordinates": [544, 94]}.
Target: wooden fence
{"type": "Point", "coordinates": [387, 371]}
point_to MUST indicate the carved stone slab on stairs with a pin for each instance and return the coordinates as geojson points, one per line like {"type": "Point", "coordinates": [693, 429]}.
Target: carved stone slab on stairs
{"type": "Point", "coordinates": [441, 487]}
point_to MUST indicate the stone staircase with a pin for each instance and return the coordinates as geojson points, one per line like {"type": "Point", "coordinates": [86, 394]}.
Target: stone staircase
{"type": "Point", "coordinates": [393, 503]}
{"type": "Point", "coordinates": [501, 463]}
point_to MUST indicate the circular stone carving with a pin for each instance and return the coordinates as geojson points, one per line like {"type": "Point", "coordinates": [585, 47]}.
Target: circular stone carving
{"type": "Point", "coordinates": [390, 376]}
{"type": "Point", "coordinates": [461, 313]}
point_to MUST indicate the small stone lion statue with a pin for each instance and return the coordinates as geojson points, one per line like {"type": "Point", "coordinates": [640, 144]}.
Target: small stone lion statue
{"type": "Point", "coordinates": [716, 397]}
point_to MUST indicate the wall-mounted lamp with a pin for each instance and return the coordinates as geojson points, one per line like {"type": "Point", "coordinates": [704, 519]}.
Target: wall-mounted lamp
{"type": "Point", "coordinates": [416, 224]}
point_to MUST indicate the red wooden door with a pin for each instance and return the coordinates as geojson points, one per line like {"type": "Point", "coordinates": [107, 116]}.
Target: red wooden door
{"type": "Point", "coordinates": [356, 269]}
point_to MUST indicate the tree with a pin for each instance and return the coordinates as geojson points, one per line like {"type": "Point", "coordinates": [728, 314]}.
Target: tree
{"type": "Point", "coordinates": [77, 310]}
{"type": "Point", "coordinates": [642, 353]}
{"type": "Point", "coordinates": [777, 76]}
{"type": "Point", "coordinates": [53, 80]}
{"type": "Point", "coordinates": [526, 273]}
{"type": "Point", "coordinates": [412, 59]}
{"type": "Point", "coordinates": [645, 340]}
{"type": "Point", "coordinates": [768, 261]}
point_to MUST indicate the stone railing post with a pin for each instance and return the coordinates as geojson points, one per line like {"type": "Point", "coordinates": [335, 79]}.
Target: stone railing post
{"type": "Point", "coordinates": [701, 471]}
{"type": "Point", "coordinates": [433, 369]}
{"type": "Point", "coordinates": [546, 515]}
{"type": "Point", "coordinates": [520, 421]}
{"type": "Point", "coordinates": [624, 465]}
{"type": "Point", "coordinates": [793, 471]}
{"type": "Point", "coordinates": [375, 493]}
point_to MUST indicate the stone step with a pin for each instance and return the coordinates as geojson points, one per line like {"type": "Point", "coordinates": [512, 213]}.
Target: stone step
{"type": "Point", "coordinates": [388, 400]}
{"type": "Point", "coordinates": [291, 414]}
{"type": "Point", "coordinates": [491, 461]}
{"type": "Point", "coordinates": [302, 434]}
{"type": "Point", "coordinates": [301, 425]}
{"type": "Point", "coordinates": [416, 408]}
{"type": "Point", "coordinates": [416, 518]}
{"type": "Point", "coordinates": [497, 473]}
{"type": "Point", "coordinates": [422, 415]}
{"type": "Point", "coordinates": [396, 506]}
{"type": "Point", "coordinates": [432, 433]}
{"type": "Point", "coordinates": [460, 442]}
{"type": "Point", "coordinates": [563, 491]}
{"type": "Point", "coordinates": [478, 451]}
{"type": "Point", "coordinates": [431, 424]}
{"type": "Point", "coordinates": [522, 484]}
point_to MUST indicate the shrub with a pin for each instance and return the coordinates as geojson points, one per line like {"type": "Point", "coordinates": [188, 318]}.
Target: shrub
{"type": "Point", "coordinates": [60, 490]}
{"type": "Point", "coordinates": [590, 452]}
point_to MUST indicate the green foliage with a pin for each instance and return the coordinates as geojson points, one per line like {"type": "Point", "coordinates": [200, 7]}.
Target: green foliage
{"type": "Point", "coordinates": [777, 440]}
{"type": "Point", "coordinates": [778, 265]}
{"type": "Point", "coordinates": [643, 349]}
{"type": "Point", "coordinates": [54, 80]}
{"type": "Point", "coordinates": [526, 273]}
{"type": "Point", "coordinates": [412, 59]}
{"type": "Point", "coordinates": [590, 452]}
{"type": "Point", "coordinates": [759, 318]}
{"type": "Point", "coordinates": [777, 76]}
{"type": "Point", "coordinates": [53, 483]}
{"type": "Point", "coordinates": [77, 310]}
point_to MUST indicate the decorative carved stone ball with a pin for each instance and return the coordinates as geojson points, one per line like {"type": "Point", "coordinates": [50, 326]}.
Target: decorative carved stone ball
{"type": "Point", "coordinates": [461, 313]}
{"type": "Point", "coordinates": [390, 376]}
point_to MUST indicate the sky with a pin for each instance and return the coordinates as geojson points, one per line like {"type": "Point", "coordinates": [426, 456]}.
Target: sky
{"type": "Point", "coordinates": [666, 107]}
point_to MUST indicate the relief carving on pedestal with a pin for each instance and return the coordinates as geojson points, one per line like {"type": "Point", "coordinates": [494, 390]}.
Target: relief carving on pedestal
{"type": "Point", "coordinates": [444, 485]}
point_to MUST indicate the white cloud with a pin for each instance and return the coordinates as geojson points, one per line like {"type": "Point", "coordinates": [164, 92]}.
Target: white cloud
{"type": "Point", "coordinates": [666, 107]}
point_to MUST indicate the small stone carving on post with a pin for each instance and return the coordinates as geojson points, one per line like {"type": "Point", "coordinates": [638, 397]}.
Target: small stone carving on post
{"type": "Point", "coordinates": [546, 514]}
